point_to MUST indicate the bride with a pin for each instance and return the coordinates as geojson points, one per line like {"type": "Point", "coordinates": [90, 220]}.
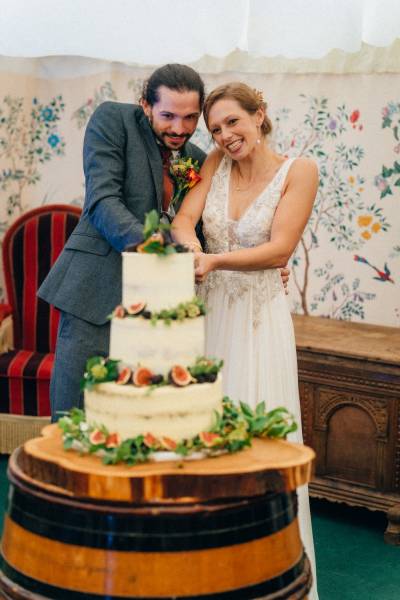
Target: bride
{"type": "Point", "coordinates": [254, 204]}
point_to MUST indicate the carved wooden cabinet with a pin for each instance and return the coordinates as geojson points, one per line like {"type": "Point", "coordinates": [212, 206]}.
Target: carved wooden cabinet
{"type": "Point", "coordinates": [349, 377]}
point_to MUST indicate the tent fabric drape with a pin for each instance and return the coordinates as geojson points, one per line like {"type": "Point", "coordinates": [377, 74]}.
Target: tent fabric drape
{"type": "Point", "coordinates": [150, 32]}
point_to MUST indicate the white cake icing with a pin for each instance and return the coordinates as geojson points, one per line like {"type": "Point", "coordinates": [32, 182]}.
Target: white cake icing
{"type": "Point", "coordinates": [160, 281]}
{"type": "Point", "coordinates": [177, 413]}
{"type": "Point", "coordinates": [135, 342]}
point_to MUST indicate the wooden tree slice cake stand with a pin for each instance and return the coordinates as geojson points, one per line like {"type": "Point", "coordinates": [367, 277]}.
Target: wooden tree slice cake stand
{"type": "Point", "coordinates": [216, 528]}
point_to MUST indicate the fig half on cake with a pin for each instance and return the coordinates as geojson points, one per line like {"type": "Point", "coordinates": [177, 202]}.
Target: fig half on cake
{"type": "Point", "coordinates": [180, 376]}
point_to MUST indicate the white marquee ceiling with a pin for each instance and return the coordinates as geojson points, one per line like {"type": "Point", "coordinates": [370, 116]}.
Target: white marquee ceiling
{"type": "Point", "coordinates": [158, 31]}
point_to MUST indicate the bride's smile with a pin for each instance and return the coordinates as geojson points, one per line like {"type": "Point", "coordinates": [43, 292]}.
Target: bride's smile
{"type": "Point", "coordinates": [234, 146]}
{"type": "Point", "coordinates": [235, 130]}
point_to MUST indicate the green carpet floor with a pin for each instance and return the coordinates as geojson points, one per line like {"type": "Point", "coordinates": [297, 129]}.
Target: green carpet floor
{"type": "Point", "coordinates": [353, 562]}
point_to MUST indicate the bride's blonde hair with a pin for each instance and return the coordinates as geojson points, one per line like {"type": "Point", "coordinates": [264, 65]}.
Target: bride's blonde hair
{"type": "Point", "coordinates": [248, 98]}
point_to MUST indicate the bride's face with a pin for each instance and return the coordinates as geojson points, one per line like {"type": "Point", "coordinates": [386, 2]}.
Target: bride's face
{"type": "Point", "coordinates": [234, 129]}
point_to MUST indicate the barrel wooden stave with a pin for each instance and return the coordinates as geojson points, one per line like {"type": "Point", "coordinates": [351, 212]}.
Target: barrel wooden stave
{"type": "Point", "coordinates": [297, 590]}
{"type": "Point", "coordinates": [68, 548]}
{"type": "Point", "coordinates": [215, 529]}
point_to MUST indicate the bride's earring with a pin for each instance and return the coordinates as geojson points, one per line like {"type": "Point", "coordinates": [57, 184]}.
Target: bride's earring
{"type": "Point", "coordinates": [258, 140]}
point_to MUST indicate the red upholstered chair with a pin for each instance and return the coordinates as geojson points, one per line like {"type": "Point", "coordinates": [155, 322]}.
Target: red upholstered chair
{"type": "Point", "coordinates": [28, 325]}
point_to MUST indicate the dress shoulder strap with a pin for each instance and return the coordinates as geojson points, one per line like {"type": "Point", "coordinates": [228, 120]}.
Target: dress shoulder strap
{"type": "Point", "coordinates": [281, 177]}
{"type": "Point", "coordinates": [284, 170]}
{"type": "Point", "coordinates": [273, 192]}
{"type": "Point", "coordinates": [224, 165]}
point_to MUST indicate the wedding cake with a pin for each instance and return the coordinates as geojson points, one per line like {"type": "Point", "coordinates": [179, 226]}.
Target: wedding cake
{"type": "Point", "coordinates": [157, 397]}
{"type": "Point", "coordinates": [163, 385]}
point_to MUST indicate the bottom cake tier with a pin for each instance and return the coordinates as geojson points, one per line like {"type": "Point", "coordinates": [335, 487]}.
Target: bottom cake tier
{"type": "Point", "coordinates": [177, 412]}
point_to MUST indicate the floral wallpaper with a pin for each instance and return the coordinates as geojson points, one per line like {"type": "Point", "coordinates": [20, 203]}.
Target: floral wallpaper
{"type": "Point", "coordinates": [343, 216]}
{"type": "Point", "coordinates": [29, 137]}
{"type": "Point", "coordinates": [347, 264]}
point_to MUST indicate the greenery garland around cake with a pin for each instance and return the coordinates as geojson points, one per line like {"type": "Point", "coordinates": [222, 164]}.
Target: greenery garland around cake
{"type": "Point", "coordinates": [184, 310]}
{"type": "Point", "coordinates": [102, 370]}
{"type": "Point", "coordinates": [233, 431]}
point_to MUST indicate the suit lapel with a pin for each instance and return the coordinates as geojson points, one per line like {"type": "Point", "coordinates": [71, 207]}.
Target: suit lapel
{"type": "Point", "coordinates": [185, 150]}
{"type": "Point", "coordinates": [153, 154]}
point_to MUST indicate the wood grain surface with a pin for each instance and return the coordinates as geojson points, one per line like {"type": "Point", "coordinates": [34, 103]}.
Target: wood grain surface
{"type": "Point", "coordinates": [343, 338]}
{"type": "Point", "coordinates": [268, 466]}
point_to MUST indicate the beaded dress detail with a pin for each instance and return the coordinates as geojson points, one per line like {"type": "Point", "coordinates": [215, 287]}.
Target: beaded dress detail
{"type": "Point", "coordinates": [223, 234]}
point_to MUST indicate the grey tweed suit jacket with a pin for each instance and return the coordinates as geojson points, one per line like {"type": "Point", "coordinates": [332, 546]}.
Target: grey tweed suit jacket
{"type": "Point", "coordinates": [123, 171]}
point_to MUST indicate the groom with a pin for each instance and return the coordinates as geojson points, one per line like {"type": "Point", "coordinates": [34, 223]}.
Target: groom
{"type": "Point", "coordinates": [126, 154]}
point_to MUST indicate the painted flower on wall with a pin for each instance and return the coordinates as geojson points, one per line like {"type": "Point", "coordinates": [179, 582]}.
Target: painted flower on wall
{"type": "Point", "coordinates": [354, 120]}
{"type": "Point", "coordinates": [372, 223]}
{"type": "Point", "coordinates": [53, 140]}
{"type": "Point", "coordinates": [355, 115]}
{"type": "Point", "coordinates": [82, 114]}
{"type": "Point", "coordinates": [47, 114]}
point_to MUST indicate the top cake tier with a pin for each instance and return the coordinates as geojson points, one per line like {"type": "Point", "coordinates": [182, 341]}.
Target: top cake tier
{"type": "Point", "coordinates": [160, 281]}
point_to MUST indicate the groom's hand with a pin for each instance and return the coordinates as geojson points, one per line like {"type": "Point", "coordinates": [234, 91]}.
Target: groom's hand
{"type": "Point", "coordinates": [285, 273]}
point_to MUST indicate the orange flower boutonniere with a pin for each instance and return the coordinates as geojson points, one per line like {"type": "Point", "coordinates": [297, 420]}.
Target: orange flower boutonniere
{"type": "Point", "coordinates": [185, 172]}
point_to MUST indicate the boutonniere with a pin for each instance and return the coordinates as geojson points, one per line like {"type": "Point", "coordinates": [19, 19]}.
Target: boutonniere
{"type": "Point", "coordinates": [185, 172]}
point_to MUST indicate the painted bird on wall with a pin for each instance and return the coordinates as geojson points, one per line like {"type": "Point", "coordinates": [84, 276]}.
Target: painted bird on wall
{"type": "Point", "coordinates": [382, 275]}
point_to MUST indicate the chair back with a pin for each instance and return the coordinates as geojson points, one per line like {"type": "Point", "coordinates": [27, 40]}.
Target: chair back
{"type": "Point", "coordinates": [30, 248]}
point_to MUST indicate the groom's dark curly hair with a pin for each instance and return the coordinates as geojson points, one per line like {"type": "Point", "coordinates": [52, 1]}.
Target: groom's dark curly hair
{"type": "Point", "coordinates": [175, 77]}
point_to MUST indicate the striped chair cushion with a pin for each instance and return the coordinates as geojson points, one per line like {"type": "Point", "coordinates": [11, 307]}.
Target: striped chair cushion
{"type": "Point", "coordinates": [30, 248]}
{"type": "Point", "coordinates": [34, 245]}
{"type": "Point", "coordinates": [24, 382]}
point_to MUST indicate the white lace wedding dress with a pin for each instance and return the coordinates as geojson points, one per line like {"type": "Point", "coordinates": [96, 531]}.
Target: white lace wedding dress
{"type": "Point", "coordinates": [248, 322]}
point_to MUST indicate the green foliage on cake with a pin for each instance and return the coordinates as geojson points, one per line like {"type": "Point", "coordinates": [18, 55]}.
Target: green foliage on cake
{"type": "Point", "coordinates": [234, 430]}
{"type": "Point", "coordinates": [99, 370]}
{"type": "Point", "coordinates": [102, 370]}
{"type": "Point", "coordinates": [184, 310]}
{"type": "Point", "coordinates": [205, 369]}
{"type": "Point", "coordinates": [157, 238]}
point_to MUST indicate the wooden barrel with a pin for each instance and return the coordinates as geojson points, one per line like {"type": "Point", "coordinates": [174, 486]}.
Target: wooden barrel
{"type": "Point", "coordinates": [64, 544]}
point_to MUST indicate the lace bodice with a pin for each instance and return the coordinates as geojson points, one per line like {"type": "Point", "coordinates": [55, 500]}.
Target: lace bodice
{"type": "Point", "coordinates": [223, 234]}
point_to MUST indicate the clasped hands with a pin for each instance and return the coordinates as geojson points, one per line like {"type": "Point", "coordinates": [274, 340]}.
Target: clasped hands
{"type": "Point", "coordinates": [205, 263]}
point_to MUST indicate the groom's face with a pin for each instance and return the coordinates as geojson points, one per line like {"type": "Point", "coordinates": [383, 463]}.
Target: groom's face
{"type": "Point", "coordinates": [174, 116]}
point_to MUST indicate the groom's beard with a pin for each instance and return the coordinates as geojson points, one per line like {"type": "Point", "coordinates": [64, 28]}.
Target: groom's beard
{"type": "Point", "coordinates": [163, 136]}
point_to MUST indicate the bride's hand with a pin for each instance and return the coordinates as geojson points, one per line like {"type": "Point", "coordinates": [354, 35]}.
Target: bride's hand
{"type": "Point", "coordinates": [285, 274]}
{"type": "Point", "coordinates": [204, 264]}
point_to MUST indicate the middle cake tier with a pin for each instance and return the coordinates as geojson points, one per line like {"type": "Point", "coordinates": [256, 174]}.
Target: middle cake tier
{"type": "Point", "coordinates": [158, 346]}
